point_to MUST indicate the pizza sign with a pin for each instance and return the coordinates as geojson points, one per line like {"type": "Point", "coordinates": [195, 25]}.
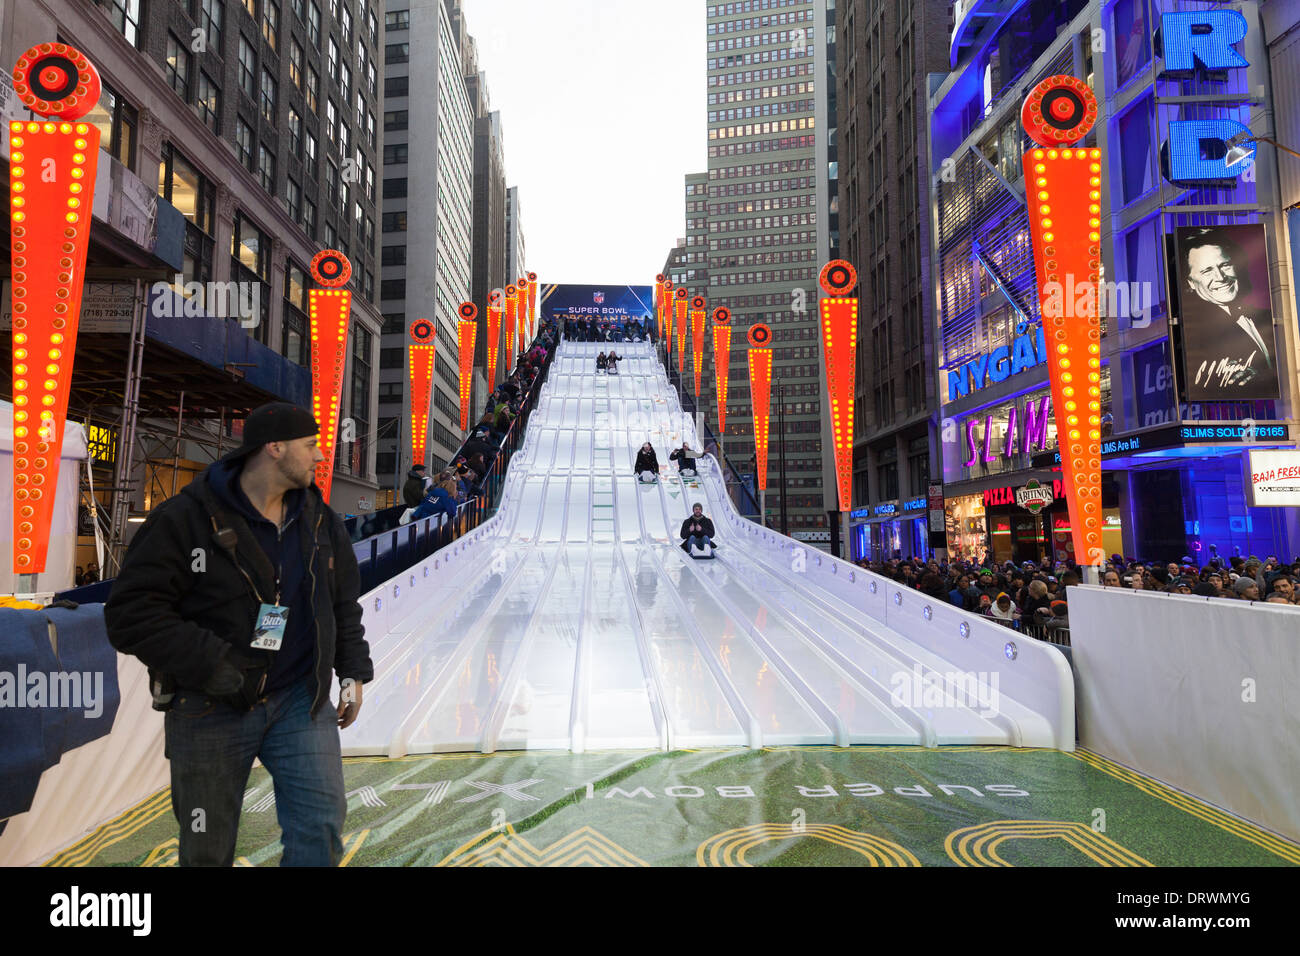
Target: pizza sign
{"type": "Point", "coordinates": [1034, 497]}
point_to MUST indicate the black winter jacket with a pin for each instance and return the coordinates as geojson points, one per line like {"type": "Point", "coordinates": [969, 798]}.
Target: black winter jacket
{"type": "Point", "coordinates": [703, 523]}
{"type": "Point", "coordinates": [646, 461]}
{"type": "Point", "coordinates": [183, 602]}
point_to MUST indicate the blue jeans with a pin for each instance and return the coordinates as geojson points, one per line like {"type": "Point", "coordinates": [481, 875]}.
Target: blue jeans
{"type": "Point", "coordinates": [211, 747]}
{"type": "Point", "coordinates": [699, 541]}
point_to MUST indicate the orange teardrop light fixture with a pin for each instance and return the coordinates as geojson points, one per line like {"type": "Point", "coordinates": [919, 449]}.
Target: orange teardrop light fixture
{"type": "Point", "coordinates": [660, 279]}
{"type": "Point", "coordinates": [840, 344]}
{"type": "Point", "coordinates": [760, 392]}
{"type": "Point", "coordinates": [721, 361]}
{"type": "Point", "coordinates": [512, 325]}
{"type": "Point", "coordinates": [467, 331]}
{"type": "Point", "coordinates": [1063, 186]}
{"type": "Point", "coordinates": [532, 306]}
{"type": "Point", "coordinates": [666, 329]}
{"type": "Point", "coordinates": [420, 357]}
{"type": "Point", "coordinates": [493, 336]}
{"type": "Point", "coordinates": [698, 306]}
{"type": "Point", "coordinates": [330, 309]}
{"type": "Point", "coordinates": [49, 236]}
{"type": "Point", "coordinates": [521, 315]}
{"type": "Point", "coordinates": [680, 296]}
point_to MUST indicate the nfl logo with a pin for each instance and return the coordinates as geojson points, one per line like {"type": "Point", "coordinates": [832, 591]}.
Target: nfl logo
{"type": "Point", "coordinates": [599, 297]}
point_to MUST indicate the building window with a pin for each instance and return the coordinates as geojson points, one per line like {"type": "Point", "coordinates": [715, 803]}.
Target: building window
{"type": "Point", "coordinates": [331, 181]}
{"type": "Point", "coordinates": [372, 78]}
{"type": "Point", "coordinates": [293, 330]}
{"type": "Point", "coordinates": [395, 120]}
{"type": "Point", "coordinates": [397, 20]}
{"type": "Point", "coordinates": [244, 141]}
{"type": "Point", "coordinates": [346, 20]}
{"type": "Point", "coordinates": [394, 222]}
{"type": "Point", "coordinates": [392, 358]}
{"type": "Point", "coordinates": [295, 62]}
{"type": "Point", "coordinates": [295, 132]}
{"type": "Point", "coordinates": [125, 15]}
{"type": "Point", "coordinates": [373, 22]}
{"type": "Point", "coordinates": [266, 168]}
{"type": "Point", "coordinates": [182, 185]}
{"type": "Point", "coordinates": [211, 16]}
{"type": "Point", "coordinates": [268, 96]}
{"type": "Point", "coordinates": [397, 53]}
{"type": "Point", "coordinates": [309, 155]}
{"type": "Point", "coordinates": [332, 61]}
{"type": "Point", "coordinates": [360, 404]}
{"type": "Point", "coordinates": [313, 90]}
{"type": "Point", "coordinates": [393, 256]}
{"type": "Point", "coordinates": [395, 154]}
{"type": "Point", "coordinates": [250, 254]}
{"type": "Point", "coordinates": [394, 188]}
{"type": "Point", "coordinates": [209, 103]}
{"type": "Point", "coordinates": [293, 196]}
{"type": "Point", "coordinates": [309, 218]}
{"type": "Point", "coordinates": [271, 24]}
{"type": "Point", "coordinates": [117, 121]}
{"type": "Point", "coordinates": [251, 7]}
{"type": "Point", "coordinates": [313, 25]}
{"type": "Point", "coordinates": [247, 69]}
{"type": "Point", "coordinates": [178, 67]}
{"type": "Point", "coordinates": [392, 289]}
{"type": "Point", "coordinates": [396, 86]}
{"type": "Point", "coordinates": [370, 130]}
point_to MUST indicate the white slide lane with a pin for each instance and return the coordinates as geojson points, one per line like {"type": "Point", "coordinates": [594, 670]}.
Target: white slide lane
{"type": "Point", "coordinates": [573, 620]}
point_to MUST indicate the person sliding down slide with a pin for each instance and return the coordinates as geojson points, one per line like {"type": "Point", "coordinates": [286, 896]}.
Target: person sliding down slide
{"type": "Point", "coordinates": [612, 360]}
{"type": "Point", "coordinates": [647, 464]}
{"type": "Point", "coordinates": [602, 363]}
{"type": "Point", "coordinates": [686, 461]}
{"type": "Point", "coordinates": [697, 533]}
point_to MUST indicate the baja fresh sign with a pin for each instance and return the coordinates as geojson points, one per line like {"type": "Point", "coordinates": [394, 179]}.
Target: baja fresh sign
{"type": "Point", "coordinates": [1034, 497]}
{"type": "Point", "coordinates": [1027, 349]}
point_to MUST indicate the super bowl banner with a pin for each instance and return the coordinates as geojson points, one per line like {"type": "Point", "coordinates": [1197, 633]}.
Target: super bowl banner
{"type": "Point", "coordinates": [598, 303]}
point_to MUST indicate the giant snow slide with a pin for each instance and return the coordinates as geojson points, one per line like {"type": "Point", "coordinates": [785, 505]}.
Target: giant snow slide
{"type": "Point", "coordinates": [572, 619]}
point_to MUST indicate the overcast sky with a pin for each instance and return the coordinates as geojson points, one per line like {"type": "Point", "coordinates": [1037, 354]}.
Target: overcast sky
{"type": "Point", "coordinates": [603, 113]}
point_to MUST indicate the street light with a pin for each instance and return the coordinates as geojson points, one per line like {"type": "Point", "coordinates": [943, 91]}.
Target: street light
{"type": "Point", "coordinates": [1237, 151]}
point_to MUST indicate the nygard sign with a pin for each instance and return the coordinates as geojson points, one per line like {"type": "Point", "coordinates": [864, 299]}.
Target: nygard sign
{"type": "Point", "coordinates": [1027, 349]}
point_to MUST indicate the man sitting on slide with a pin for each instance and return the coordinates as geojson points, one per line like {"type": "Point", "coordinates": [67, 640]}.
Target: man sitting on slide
{"type": "Point", "coordinates": [685, 458]}
{"type": "Point", "coordinates": [697, 531]}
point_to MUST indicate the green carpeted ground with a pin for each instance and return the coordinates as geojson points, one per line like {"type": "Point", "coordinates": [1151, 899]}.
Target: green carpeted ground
{"type": "Point", "coordinates": [885, 806]}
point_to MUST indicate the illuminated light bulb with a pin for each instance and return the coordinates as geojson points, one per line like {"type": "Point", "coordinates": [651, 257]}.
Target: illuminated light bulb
{"type": "Point", "coordinates": [1062, 348]}
{"type": "Point", "coordinates": [1074, 433]}
{"type": "Point", "coordinates": [1051, 154]}
{"type": "Point", "coordinates": [1067, 154]}
{"type": "Point", "coordinates": [1064, 363]}
{"type": "Point", "coordinates": [1094, 434]}
{"type": "Point", "coordinates": [47, 400]}
{"type": "Point", "coordinates": [1041, 181]}
{"type": "Point", "coordinates": [20, 432]}
{"type": "Point", "coordinates": [1042, 195]}
{"type": "Point", "coordinates": [1067, 377]}
{"type": "Point", "coordinates": [20, 369]}
{"type": "Point", "coordinates": [1047, 224]}
{"type": "Point", "coordinates": [1073, 420]}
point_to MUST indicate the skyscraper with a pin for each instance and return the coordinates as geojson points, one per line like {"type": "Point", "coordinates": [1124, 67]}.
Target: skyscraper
{"type": "Point", "coordinates": [768, 203]}
{"type": "Point", "coordinates": [428, 191]}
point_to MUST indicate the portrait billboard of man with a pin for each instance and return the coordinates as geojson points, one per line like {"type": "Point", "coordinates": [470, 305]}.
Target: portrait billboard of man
{"type": "Point", "coordinates": [1229, 348]}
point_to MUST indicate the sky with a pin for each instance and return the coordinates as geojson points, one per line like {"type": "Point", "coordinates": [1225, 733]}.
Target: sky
{"type": "Point", "coordinates": [603, 113]}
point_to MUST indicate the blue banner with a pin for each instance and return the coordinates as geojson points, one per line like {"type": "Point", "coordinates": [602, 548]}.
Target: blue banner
{"type": "Point", "coordinates": [603, 303]}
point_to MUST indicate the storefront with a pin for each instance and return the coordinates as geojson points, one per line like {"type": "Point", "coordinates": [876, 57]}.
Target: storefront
{"type": "Point", "coordinates": [896, 529]}
{"type": "Point", "coordinates": [967, 532]}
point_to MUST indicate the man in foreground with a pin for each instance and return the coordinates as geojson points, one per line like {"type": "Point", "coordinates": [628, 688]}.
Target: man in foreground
{"type": "Point", "coordinates": [240, 594]}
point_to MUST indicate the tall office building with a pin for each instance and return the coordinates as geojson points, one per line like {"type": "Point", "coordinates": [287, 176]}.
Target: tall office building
{"type": "Point", "coordinates": [427, 220]}
{"type": "Point", "coordinates": [886, 52]}
{"type": "Point", "coordinates": [515, 262]}
{"type": "Point", "coordinates": [239, 137]}
{"type": "Point", "coordinates": [768, 204]}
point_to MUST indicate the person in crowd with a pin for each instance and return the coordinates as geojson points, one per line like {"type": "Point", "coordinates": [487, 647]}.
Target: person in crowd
{"type": "Point", "coordinates": [962, 595]}
{"type": "Point", "coordinates": [80, 577]}
{"type": "Point", "coordinates": [1205, 589]}
{"type": "Point", "coordinates": [1003, 609]}
{"type": "Point", "coordinates": [697, 530]}
{"type": "Point", "coordinates": [602, 363]}
{"type": "Point", "coordinates": [242, 653]}
{"type": "Point", "coordinates": [1059, 617]}
{"type": "Point", "coordinates": [1275, 598]}
{"type": "Point", "coordinates": [416, 486]}
{"type": "Point", "coordinates": [1246, 589]}
{"type": "Point", "coordinates": [504, 416]}
{"type": "Point", "coordinates": [1283, 585]}
{"type": "Point", "coordinates": [647, 463]}
{"type": "Point", "coordinates": [1110, 579]}
{"type": "Point", "coordinates": [92, 573]}
{"type": "Point", "coordinates": [686, 459]}
{"type": "Point", "coordinates": [1036, 597]}
{"type": "Point", "coordinates": [985, 604]}
{"type": "Point", "coordinates": [441, 499]}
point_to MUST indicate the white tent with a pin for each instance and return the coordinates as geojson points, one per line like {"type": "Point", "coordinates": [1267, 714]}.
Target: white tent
{"type": "Point", "coordinates": [61, 563]}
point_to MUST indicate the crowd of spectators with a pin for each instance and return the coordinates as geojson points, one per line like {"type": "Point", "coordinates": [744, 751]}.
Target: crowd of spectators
{"type": "Point", "coordinates": [1037, 593]}
{"type": "Point", "coordinates": [624, 330]}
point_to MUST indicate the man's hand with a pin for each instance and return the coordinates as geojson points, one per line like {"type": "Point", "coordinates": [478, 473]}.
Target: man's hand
{"type": "Point", "coordinates": [349, 704]}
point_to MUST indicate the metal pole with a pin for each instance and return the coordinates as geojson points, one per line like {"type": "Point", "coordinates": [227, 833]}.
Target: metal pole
{"type": "Point", "coordinates": [785, 518]}
{"type": "Point", "coordinates": [847, 552]}
{"type": "Point", "coordinates": [762, 505]}
{"type": "Point", "coordinates": [176, 456]}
